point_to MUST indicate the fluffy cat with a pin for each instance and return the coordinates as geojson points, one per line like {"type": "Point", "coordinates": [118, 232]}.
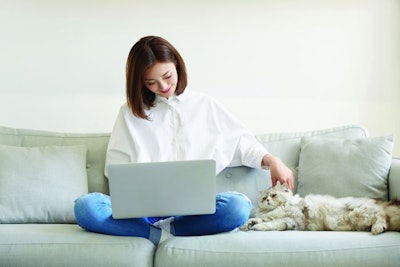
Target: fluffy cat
{"type": "Point", "coordinates": [279, 209]}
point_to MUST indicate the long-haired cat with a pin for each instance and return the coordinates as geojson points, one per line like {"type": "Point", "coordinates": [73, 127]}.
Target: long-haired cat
{"type": "Point", "coordinates": [279, 209]}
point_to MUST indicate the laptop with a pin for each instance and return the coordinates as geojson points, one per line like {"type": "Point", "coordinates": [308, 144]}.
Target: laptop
{"type": "Point", "coordinates": [159, 189]}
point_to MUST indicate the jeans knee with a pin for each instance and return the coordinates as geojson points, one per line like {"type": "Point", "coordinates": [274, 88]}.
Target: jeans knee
{"type": "Point", "coordinates": [92, 208]}
{"type": "Point", "coordinates": [237, 206]}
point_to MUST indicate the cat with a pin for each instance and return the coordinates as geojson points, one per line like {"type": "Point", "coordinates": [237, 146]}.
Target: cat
{"type": "Point", "coordinates": [278, 209]}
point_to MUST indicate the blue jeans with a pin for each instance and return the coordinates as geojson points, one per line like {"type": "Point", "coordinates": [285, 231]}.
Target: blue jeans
{"type": "Point", "coordinates": [93, 213]}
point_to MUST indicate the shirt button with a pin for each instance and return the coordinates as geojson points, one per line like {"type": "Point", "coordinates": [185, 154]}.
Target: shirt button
{"type": "Point", "coordinates": [228, 175]}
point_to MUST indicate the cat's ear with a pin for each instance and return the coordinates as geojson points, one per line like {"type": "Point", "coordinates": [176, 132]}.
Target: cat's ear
{"type": "Point", "coordinates": [285, 186]}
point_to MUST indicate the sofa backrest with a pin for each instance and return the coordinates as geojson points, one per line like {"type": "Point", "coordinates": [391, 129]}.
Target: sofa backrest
{"type": "Point", "coordinates": [286, 146]}
{"type": "Point", "coordinates": [241, 179]}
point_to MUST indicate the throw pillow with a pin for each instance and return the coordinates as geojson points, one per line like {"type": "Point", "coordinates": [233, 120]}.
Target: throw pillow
{"type": "Point", "coordinates": [345, 167]}
{"type": "Point", "coordinates": [40, 184]}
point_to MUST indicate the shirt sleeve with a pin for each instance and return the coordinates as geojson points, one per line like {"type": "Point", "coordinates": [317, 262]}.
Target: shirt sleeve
{"type": "Point", "coordinates": [248, 151]}
{"type": "Point", "coordinates": [120, 145]}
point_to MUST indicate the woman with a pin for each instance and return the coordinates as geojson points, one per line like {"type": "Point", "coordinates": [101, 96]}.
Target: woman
{"type": "Point", "coordinates": [163, 122]}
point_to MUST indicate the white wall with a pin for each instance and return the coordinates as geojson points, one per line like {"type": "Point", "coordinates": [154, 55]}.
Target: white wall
{"type": "Point", "coordinates": [279, 65]}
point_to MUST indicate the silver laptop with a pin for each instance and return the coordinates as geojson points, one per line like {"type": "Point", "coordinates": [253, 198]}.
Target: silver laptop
{"type": "Point", "coordinates": [162, 188]}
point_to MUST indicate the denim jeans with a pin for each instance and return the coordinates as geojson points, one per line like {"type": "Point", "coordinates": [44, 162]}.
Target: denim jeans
{"type": "Point", "coordinates": [93, 213]}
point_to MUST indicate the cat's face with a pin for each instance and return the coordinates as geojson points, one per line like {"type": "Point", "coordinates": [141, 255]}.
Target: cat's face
{"type": "Point", "coordinates": [274, 197]}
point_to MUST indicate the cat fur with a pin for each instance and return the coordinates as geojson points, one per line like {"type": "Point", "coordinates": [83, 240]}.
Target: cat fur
{"type": "Point", "coordinates": [279, 210]}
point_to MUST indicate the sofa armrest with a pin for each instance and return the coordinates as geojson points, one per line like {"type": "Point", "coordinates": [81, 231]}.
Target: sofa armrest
{"type": "Point", "coordinates": [394, 179]}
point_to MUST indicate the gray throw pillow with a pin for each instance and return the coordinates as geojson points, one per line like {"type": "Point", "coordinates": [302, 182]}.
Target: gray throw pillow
{"type": "Point", "coordinates": [345, 167]}
{"type": "Point", "coordinates": [40, 184]}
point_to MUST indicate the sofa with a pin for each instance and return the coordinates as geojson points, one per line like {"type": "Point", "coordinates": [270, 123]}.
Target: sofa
{"type": "Point", "coordinates": [42, 172]}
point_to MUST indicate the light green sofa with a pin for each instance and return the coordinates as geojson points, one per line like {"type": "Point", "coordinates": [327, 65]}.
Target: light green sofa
{"type": "Point", "coordinates": [54, 243]}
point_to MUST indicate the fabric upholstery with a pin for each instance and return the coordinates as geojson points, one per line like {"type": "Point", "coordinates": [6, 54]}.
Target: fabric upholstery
{"type": "Point", "coordinates": [345, 167]}
{"type": "Point", "coordinates": [40, 184]}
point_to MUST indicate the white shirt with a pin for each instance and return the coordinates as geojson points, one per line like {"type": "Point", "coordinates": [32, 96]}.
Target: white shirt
{"type": "Point", "coordinates": [185, 127]}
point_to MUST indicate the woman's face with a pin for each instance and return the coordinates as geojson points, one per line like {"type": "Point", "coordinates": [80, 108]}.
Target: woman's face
{"type": "Point", "coordinates": [161, 79]}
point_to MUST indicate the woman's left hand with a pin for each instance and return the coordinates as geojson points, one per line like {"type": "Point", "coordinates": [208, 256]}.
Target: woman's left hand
{"type": "Point", "coordinates": [279, 171]}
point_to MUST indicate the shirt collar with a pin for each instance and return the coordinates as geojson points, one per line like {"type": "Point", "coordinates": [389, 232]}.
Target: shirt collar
{"type": "Point", "coordinates": [170, 101]}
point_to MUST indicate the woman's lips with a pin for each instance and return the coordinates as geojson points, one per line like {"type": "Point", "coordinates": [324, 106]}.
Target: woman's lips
{"type": "Point", "coordinates": [166, 90]}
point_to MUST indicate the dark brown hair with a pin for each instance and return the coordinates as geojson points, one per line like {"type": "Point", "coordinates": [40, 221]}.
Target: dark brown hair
{"type": "Point", "coordinates": [143, 55]}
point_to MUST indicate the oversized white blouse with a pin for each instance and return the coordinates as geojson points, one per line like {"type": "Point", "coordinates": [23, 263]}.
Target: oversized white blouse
{"type": "Point", "coordinates": [185, 127]}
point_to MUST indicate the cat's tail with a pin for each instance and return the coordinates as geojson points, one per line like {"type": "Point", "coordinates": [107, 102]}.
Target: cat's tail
{"type": "Point", "coordinates": [392, 210]}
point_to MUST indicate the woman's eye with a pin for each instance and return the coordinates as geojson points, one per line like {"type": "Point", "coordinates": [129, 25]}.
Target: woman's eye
{"type": "Point", "coordinates": [168, 77]}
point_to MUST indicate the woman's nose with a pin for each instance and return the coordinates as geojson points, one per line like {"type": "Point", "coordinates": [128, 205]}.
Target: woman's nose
{"type": "Point", "coordinates": [163, 85]}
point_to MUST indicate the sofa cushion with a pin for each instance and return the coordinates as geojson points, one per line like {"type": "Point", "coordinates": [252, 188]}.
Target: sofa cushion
{"type": "Point", "coordinates": [280, 248]}
{"type": "Point", "coordinates": [96, 144]}
{"type": "Point", "coordinates": [40, 184]}
{"type": "Point", "coordinates": [48, 245]}
{"type": "Point", "coordinates": [345, 167]}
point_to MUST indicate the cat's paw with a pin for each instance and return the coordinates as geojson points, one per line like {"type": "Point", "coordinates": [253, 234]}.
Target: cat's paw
{"type": "Point", "coordinates": [378, 228]}
{"type": "Point", "coordinates": [263, 227]}
{"type": "Point", "coordinates": [250, 224]}
{"type": "Point", "coordinates": [244, 227]}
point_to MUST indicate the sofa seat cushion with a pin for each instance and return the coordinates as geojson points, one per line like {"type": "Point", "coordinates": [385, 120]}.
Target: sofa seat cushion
{"type": "Point", "coordinates": [69, 245]}
{"type": "Point", "coordinates": [289, 248]}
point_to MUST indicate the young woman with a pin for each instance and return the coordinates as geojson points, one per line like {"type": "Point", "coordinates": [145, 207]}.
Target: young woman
{"type": "Point", "coordinates": [161, 121]}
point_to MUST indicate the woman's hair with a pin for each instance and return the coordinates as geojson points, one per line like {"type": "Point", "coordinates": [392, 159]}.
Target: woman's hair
{"type": "Point", "coordinates": [143, 55]}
